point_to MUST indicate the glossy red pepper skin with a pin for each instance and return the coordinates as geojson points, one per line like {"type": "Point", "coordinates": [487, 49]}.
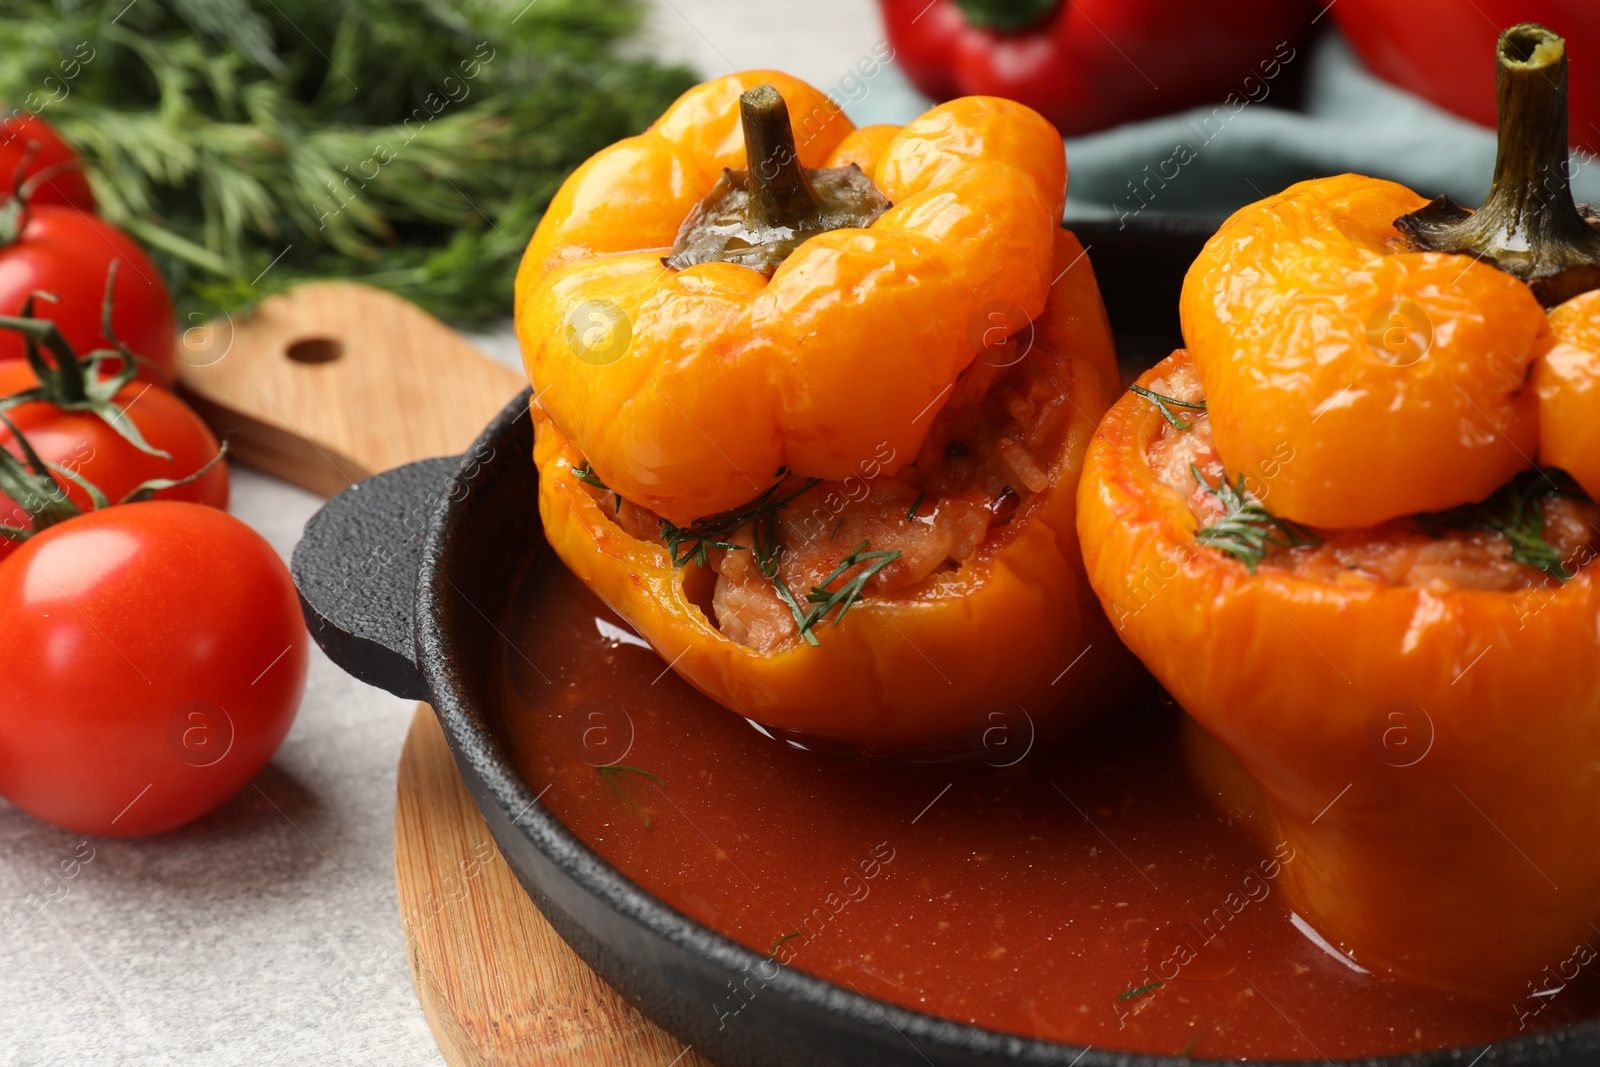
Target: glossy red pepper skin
{"type": "Point", "coordinates": [1091, 64]}
{"type": "Point", "coordinates": [1418, 45]}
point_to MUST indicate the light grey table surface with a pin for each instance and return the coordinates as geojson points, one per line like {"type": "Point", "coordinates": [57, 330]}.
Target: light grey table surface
{"type": "Point", "coordinates": [267, 932]}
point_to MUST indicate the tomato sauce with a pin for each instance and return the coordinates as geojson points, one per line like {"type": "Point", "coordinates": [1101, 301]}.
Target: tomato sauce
{"type": "Point", "coordinates": [1083, 891]}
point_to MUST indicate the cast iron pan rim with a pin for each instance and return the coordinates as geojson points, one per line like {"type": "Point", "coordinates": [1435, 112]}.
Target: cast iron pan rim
{"type": "Point", "coordinates": [476, 748]}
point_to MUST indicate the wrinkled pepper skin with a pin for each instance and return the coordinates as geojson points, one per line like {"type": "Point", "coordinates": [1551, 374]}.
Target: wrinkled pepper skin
{"type": "Point", "coordinates": [1289, 315]}
{"type": "Point", "coordinates": [1091, 64]}
{"type": "Point", "coordinates": [1411, 869]}
{"type": "Point", "coordinates": [1568, 384]}
{"type": "Point", "coordinates": [729, 376]}
{"type": "Point", "coordinates": [903, 671]}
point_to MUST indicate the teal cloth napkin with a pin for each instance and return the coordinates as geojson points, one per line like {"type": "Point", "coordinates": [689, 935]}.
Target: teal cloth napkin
{"type": "Point", "coordinates": [1213, 160]}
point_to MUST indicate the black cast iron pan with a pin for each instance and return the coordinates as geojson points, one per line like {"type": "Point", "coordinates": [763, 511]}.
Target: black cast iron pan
{"type": "Point", "coordinates": [404, 580]}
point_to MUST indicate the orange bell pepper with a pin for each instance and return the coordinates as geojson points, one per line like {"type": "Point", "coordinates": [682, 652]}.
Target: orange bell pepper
{"type": "Point", "coordinates": [1394, 377]}
{"type": "Point", "coordinates": [1381, 720]}
{"type": "Point", "coordinates": [1411, 701]}
{"type": "Point", "coordinates": [1336, 321]}
{"type": "Point", "coordinates": [917, 666]}
{"type": "Point", "coordinates": [750, 356]}
{"type": "Point", "coordinates": [1568, 384]}
{"type": "Point", "coordinates": [729, 375]}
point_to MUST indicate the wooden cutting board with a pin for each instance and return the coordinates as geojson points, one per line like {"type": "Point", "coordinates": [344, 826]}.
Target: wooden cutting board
{"type": "Point", "coordinates": [323, 386]}
{"type": "Point", "coordinates": [333, 382]}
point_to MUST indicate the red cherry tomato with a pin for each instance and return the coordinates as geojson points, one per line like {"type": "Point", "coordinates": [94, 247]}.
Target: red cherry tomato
{"type": "Point", "coordinates": [67, 186]}
{"type": "Point", "coordinates": [66, 252]}
{"type": "Point", "coordinates": [86, 445]}
{"type": "Point", "coordinates": [153, 660]}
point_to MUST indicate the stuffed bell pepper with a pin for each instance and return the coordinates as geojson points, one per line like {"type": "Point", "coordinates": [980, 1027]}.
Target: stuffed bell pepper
{"type": "Point", "coordinates": [1350, 529]}
{"type": "Point", "coordinates": [811, 403]}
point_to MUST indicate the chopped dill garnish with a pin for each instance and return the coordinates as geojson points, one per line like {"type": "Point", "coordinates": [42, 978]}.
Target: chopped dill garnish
{"type": "Point", "coordinates": [1248, 529]}
{"type": "Point", "coordinates": [794, 607]}
{"type": "Point", "coordinates": [820, 600]}
{"type": "Point", "coordinates": [1516, 512]}
{"type": "Point", "coordinates": [776, 945]}
{"type": "Point", "coordinates": [911, 516]}
{"type": "Point", "coordinates": [694, 542]}
{"type": "Point", "coordinates": [1135, 994]}
{"type": "Point", "coordinates": [1161, 401]}
{"type": "Point", "coordinates": [764, 545]}
{"type": "Point", "coordinates": [623, 768]}
{"type": "Point", "coordinates": [714, 531]}
{"type": "Point", "coordinates": [836, 528]}
{"type": "Point", "coordinates": [843, 599]}
{"type": "Point", "coordinates": [587, 476]}
{"type": "Point", "coordinates": [612, 774]}
{"type": "Point", "coordinates": [1184, 1052]}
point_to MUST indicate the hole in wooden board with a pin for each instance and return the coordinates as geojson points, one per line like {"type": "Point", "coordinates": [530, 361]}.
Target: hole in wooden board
{"type": "Point", "coordinates": [315, 350]}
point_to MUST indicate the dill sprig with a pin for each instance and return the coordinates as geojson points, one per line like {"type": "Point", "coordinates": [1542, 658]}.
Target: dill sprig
{"type": "Point", "coordinates": [779, 943]}
{"type": "Point", "coordinates": [587, 476]}
{"type": "Point", "coordinates": [1162, 402]}
{"type": "Point", "coordinates": [715, 531]}
{"type": "Point", "coordinates": [821, 601]}
{"type": "Point", "coordinates": [911, 516]}
{"type": "Point", "coordinates": [766, 551]}
{"type": "Point", "coordinates": [842, 599]}
{"type": "Point", "coordinates": [410, 144]}
{"type": "Point", "coordinates": [1248, 529]}
{"type": "Point", "coordinates": [1135, 994]}
{"type": "Point", "coordinates": [1516, 512]}
{"type": "Point", "coordinates": [694, 542]}
{"type": "Point", "coordinates": [613, 775]}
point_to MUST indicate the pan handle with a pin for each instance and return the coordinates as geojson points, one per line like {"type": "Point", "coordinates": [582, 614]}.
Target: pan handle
{"type": "Point", "coordinates": [356, 570]}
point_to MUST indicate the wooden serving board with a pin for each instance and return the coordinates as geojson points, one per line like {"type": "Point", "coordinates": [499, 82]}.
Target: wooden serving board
{"type": "Point", "coordinates": [333, 382]}
{"type": "Point", "coordinates": [498, 985]}
{"type": "Point", "coordinates": [322, 387]}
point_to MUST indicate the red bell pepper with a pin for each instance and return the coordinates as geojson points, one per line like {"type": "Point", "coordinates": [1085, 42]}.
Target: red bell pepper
{"type": "Point", "coordinates": [1089, 64]}
{"type": "Point", "coordinates": [1420, 44]}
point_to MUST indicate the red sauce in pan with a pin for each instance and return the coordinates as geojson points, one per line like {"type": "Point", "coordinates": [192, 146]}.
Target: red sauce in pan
{"type": "Point", "coordinates": [1086, 892]}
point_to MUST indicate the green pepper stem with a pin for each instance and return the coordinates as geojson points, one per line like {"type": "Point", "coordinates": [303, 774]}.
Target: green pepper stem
{"type": "Point", "coordinates": [1528, 226]}
{"type": "Point", "coordinates": [758, 216]}
{"type": "Point", "coordinates": [1007, 16]}
{"type": "Point", "coordinates": [783, 193]}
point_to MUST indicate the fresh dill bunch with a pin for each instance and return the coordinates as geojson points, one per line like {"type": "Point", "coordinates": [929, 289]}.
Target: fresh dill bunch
{"type": "Point", "coordinates": [1516, 512]}
{"type": "Point", "coordinates": [1248, 529]}
{"type": "Point", "coordinates": [255, 144]}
